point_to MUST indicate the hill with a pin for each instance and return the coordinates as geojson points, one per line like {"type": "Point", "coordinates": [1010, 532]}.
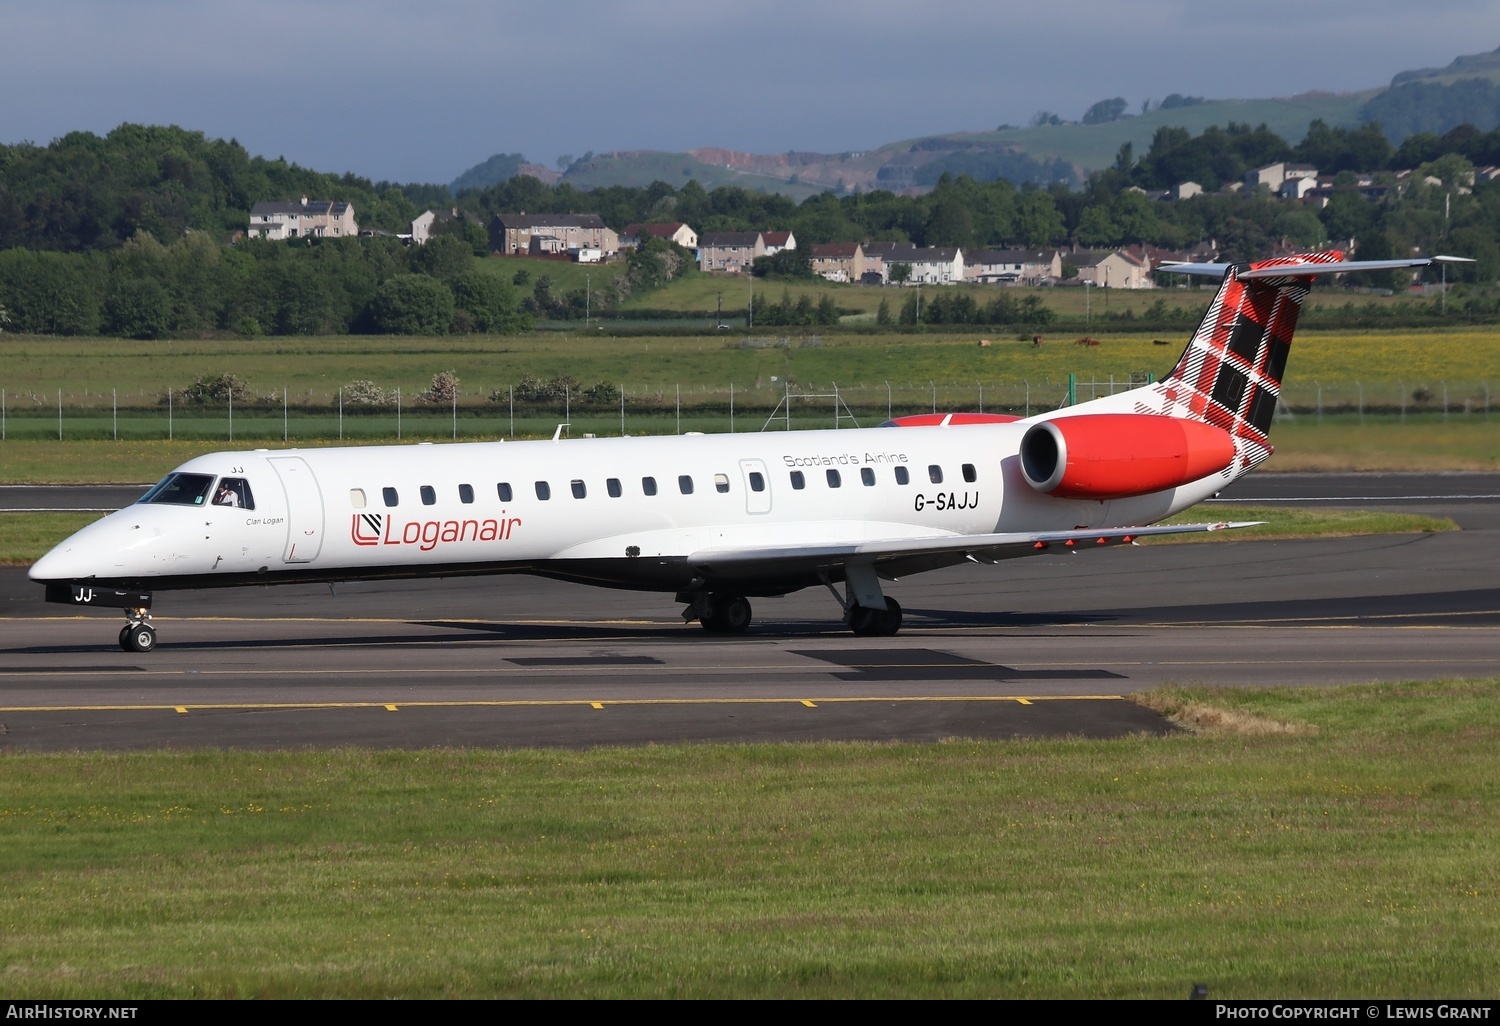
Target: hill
{"type": "Point", "coordinates": [1422, 100]}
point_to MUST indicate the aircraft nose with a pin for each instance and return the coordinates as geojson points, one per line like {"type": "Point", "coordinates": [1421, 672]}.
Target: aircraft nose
{"type": "Point", "coordinates": [90, 552]}
{"type": "Point", "coordinates": [63, 563]}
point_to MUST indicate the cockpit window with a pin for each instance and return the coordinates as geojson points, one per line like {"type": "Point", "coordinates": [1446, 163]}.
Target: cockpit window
{"type": "Point", "coordinates": [234, 491]}
{"type": "Point", "coordinates": [181, 490]}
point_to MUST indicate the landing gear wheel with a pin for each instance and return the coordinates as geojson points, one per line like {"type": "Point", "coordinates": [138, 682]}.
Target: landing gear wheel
{"type": "Point", "coordinates": [728, 614]}
{"type": "Point", "coordinates": [862, 621]}
{"type": "Point", "coordinates": [140, 637]}
{"type": "Point", "coordinates": [876, 623]}
{"type": "Point", "coordinates": [888, 620]}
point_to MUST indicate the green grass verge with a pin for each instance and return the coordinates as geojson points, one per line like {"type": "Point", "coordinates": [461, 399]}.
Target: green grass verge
{"type": "Point", "coordinates": [1307, 843]}
{"type": "Point", "coordinates": [1394, 368]}
{"type": "Point", "coordinates": [1280, 522]}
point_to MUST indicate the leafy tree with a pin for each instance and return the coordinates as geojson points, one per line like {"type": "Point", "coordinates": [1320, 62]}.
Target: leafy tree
{"type": "Point", "coordinates": [1104, 111]}
{"type": "Point", "coordinates": [899, 273]}
{"type": "Point", "coordinates": [412, 304]}
{"type": "Point", "coordinates": [139, 308]}
{"type": "Point", "coordinates": [789, 263]}
{"type": "Point", "coordinates": [443, 257]}
{"type": "Point", "coordinates": [490, 303]}
{"type": "Point", "coordinates": [1038, 222]}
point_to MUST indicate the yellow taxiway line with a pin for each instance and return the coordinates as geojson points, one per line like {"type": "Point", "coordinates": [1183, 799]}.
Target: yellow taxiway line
{"type": "Point", "coordinates": [598, 704]}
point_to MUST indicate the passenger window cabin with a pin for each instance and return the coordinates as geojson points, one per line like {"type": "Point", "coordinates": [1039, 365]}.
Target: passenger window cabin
{"type": "Point", "coordinates": [757, 481]}
{"type": "Point", "coordinates": [970, 474]}
{"type": "Point", "coordinates": [834, 480]}
{"type": "Point", "coordinates": [465, 493]}
{"type": "Point", "coordinates": [721, 483]}
{"type": "Point", "coordinates": [648, 486]}
{"type": "Point", "coordinates": [579, 489]}
{"type": "Point", "coordinates": [867, 476]}
{"type": "Point", "coordinates": [685, 484]}
{"type": "Point", "coordinates": [388, 495]}
{"type": "Point", "coordinates": [503, 490]}
{"type": "Point", "coordinates": [935, 473]}
{"type": "Point", "coordinates": [903, 476]}
{"type": "Point", "coordinates": [429, 495]}
{"type": "Point", "coordinates": [798, 481]}
{"type": "Point", "coordinates": [357, 498]}
{"type": "Point", "coordinates": [612, 486]}
{"type": "Point", "coordinates": [543, 490]}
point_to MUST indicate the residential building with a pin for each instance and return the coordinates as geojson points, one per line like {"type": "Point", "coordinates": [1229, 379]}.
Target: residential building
{"type": "Point", "coordinates": [838, 261]}
{"type": "Point", "coordinates": [1112, 268]}
{"type": "Point", "coordinates": [777, 241]}
{"type": "Point", "coordinates": [929, 265]}
{"type": "Point", "coordinates": [1185, 190]}
{"type": "Point", "coordinates": [513, 234]}
{"type": "Point", "coordinates": [1274, 175]}
{"type": "Point", "coordinates": [1013, 267]}
{"type": "Point", "coordinates": [875, 262]}
{"type": "Point", "coordinates": [421, 228]}
{"type": "Point", "coordinates": [284, 219]}
{"type": "Point", "coordinates": [730, 252]}
{"type": "Point", "coordinates": [673, 231]}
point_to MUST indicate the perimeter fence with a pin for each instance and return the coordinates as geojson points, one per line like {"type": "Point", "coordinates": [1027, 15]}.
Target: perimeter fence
{"type": "Point", "coordinates": [643, 410]}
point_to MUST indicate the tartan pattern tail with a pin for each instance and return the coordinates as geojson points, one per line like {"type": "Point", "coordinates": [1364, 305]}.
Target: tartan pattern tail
{"type": "Point", "coordinates": [1230, 374]}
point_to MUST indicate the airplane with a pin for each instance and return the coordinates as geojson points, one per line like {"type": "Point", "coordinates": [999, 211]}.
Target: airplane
{"type": "Point", "coordinates": [718, 519]}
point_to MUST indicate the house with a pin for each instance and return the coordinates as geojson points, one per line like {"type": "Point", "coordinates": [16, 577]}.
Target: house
{"type": "Point", "coordinates": [674, 231]}
{"type": "Point", "coordinates": [730, 252]}
{"type": "Point", "coordinates": [1112, 268]}
{"type": "Point", "coordinates": [512, 234]}
{"type": "Point", "coordinates": [927, 265]}
{"type": "Point", "coordinates": [778, 241]}
{"type": "Point", "coordinates": [1273, 176]}
{"type": "Point", "coordinates": [1012, 267]}
{"type": "Point", "coordinates": [284, 219]}
{"type": "Point", "coordinates": [838, 261]}
{"type": "Point", "coordinates": [421, 228]}
{"type": "Point", "coordinates": [1185, 190]}
{"type": "Point", "coordinates": [1297, 188]}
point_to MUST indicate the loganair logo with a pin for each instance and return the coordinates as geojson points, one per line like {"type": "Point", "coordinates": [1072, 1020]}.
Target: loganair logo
{"type": "Point", "coordinates": [381, 529]}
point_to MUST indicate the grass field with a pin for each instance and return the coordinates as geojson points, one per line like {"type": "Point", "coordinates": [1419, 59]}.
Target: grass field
{"type": "Point", "coordinates": [1305, 843]}
{"type": "Point", "coordinates": [94, 373]}
{"type": "Point", "coordinates": [1184, 305]}
{"type": "Point", "coordinates": [1343, 442]}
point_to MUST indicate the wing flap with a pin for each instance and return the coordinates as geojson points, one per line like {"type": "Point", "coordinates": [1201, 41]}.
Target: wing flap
{"type": "Point", "coordinates": [906, 555]}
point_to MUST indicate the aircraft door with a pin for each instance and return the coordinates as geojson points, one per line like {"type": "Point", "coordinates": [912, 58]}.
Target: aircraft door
{"type": "Point", "coordinates": [757, 486]}
{"type": "Point", "coordinates": [304, 508]}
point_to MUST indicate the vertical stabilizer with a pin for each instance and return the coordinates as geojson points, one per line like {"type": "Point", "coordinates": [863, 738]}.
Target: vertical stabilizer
{"type": "Point", "coordinates": [1230, 374]}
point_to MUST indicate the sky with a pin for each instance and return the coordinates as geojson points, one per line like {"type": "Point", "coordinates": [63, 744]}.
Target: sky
{"type": "Point", "coordinates": [413, 91]}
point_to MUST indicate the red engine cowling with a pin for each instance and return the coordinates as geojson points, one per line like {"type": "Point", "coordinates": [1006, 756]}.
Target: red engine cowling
{"type": "Point", "coordinates": [1117, 455]}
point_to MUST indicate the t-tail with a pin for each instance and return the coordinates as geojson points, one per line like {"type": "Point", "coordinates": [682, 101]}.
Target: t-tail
{"type": "Point", "coordinates": [1231, 373]}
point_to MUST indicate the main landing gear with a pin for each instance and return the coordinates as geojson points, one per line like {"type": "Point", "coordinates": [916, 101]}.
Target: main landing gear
{"type": "Point", "coordinates": [719, 613]}
{"type": "Point", "coordinates": [868, 611]}
{"type": "Point", "coordinates": [137, 635]}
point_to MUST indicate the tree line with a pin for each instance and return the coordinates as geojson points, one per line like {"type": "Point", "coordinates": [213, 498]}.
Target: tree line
{"type": "Point", "coordinates": [134, 233]}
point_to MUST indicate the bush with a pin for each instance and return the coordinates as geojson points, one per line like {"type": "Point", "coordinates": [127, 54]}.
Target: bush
{"type": "Point", "coordinates": [443, 390]}
{"type": "Point", "coordinates": [412, 304]}
{"type": "Point", "coordinates": [210, 390]}
{"type": "Point", "coordinates": [367, 393]}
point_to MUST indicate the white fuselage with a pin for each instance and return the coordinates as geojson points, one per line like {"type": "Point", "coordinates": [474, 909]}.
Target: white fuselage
{"type": "Point", "coordinates": [418, 510]}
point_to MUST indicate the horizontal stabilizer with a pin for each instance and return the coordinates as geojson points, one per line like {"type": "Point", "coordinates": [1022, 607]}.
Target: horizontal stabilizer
{"type": "Point", "coordinates": [1300, 269]}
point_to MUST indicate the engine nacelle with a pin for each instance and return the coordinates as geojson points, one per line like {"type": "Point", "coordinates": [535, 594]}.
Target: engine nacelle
{"type": "Point", "coordinates": [1117, 455]}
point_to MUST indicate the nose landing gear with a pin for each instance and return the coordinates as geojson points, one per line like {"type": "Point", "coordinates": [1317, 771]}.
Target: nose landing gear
{"type": "Point", "coordinates": [137, 635]}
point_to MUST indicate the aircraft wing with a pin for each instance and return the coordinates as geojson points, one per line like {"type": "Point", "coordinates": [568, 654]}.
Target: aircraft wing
{"type": "Point", "coordinates": [897, 556]}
